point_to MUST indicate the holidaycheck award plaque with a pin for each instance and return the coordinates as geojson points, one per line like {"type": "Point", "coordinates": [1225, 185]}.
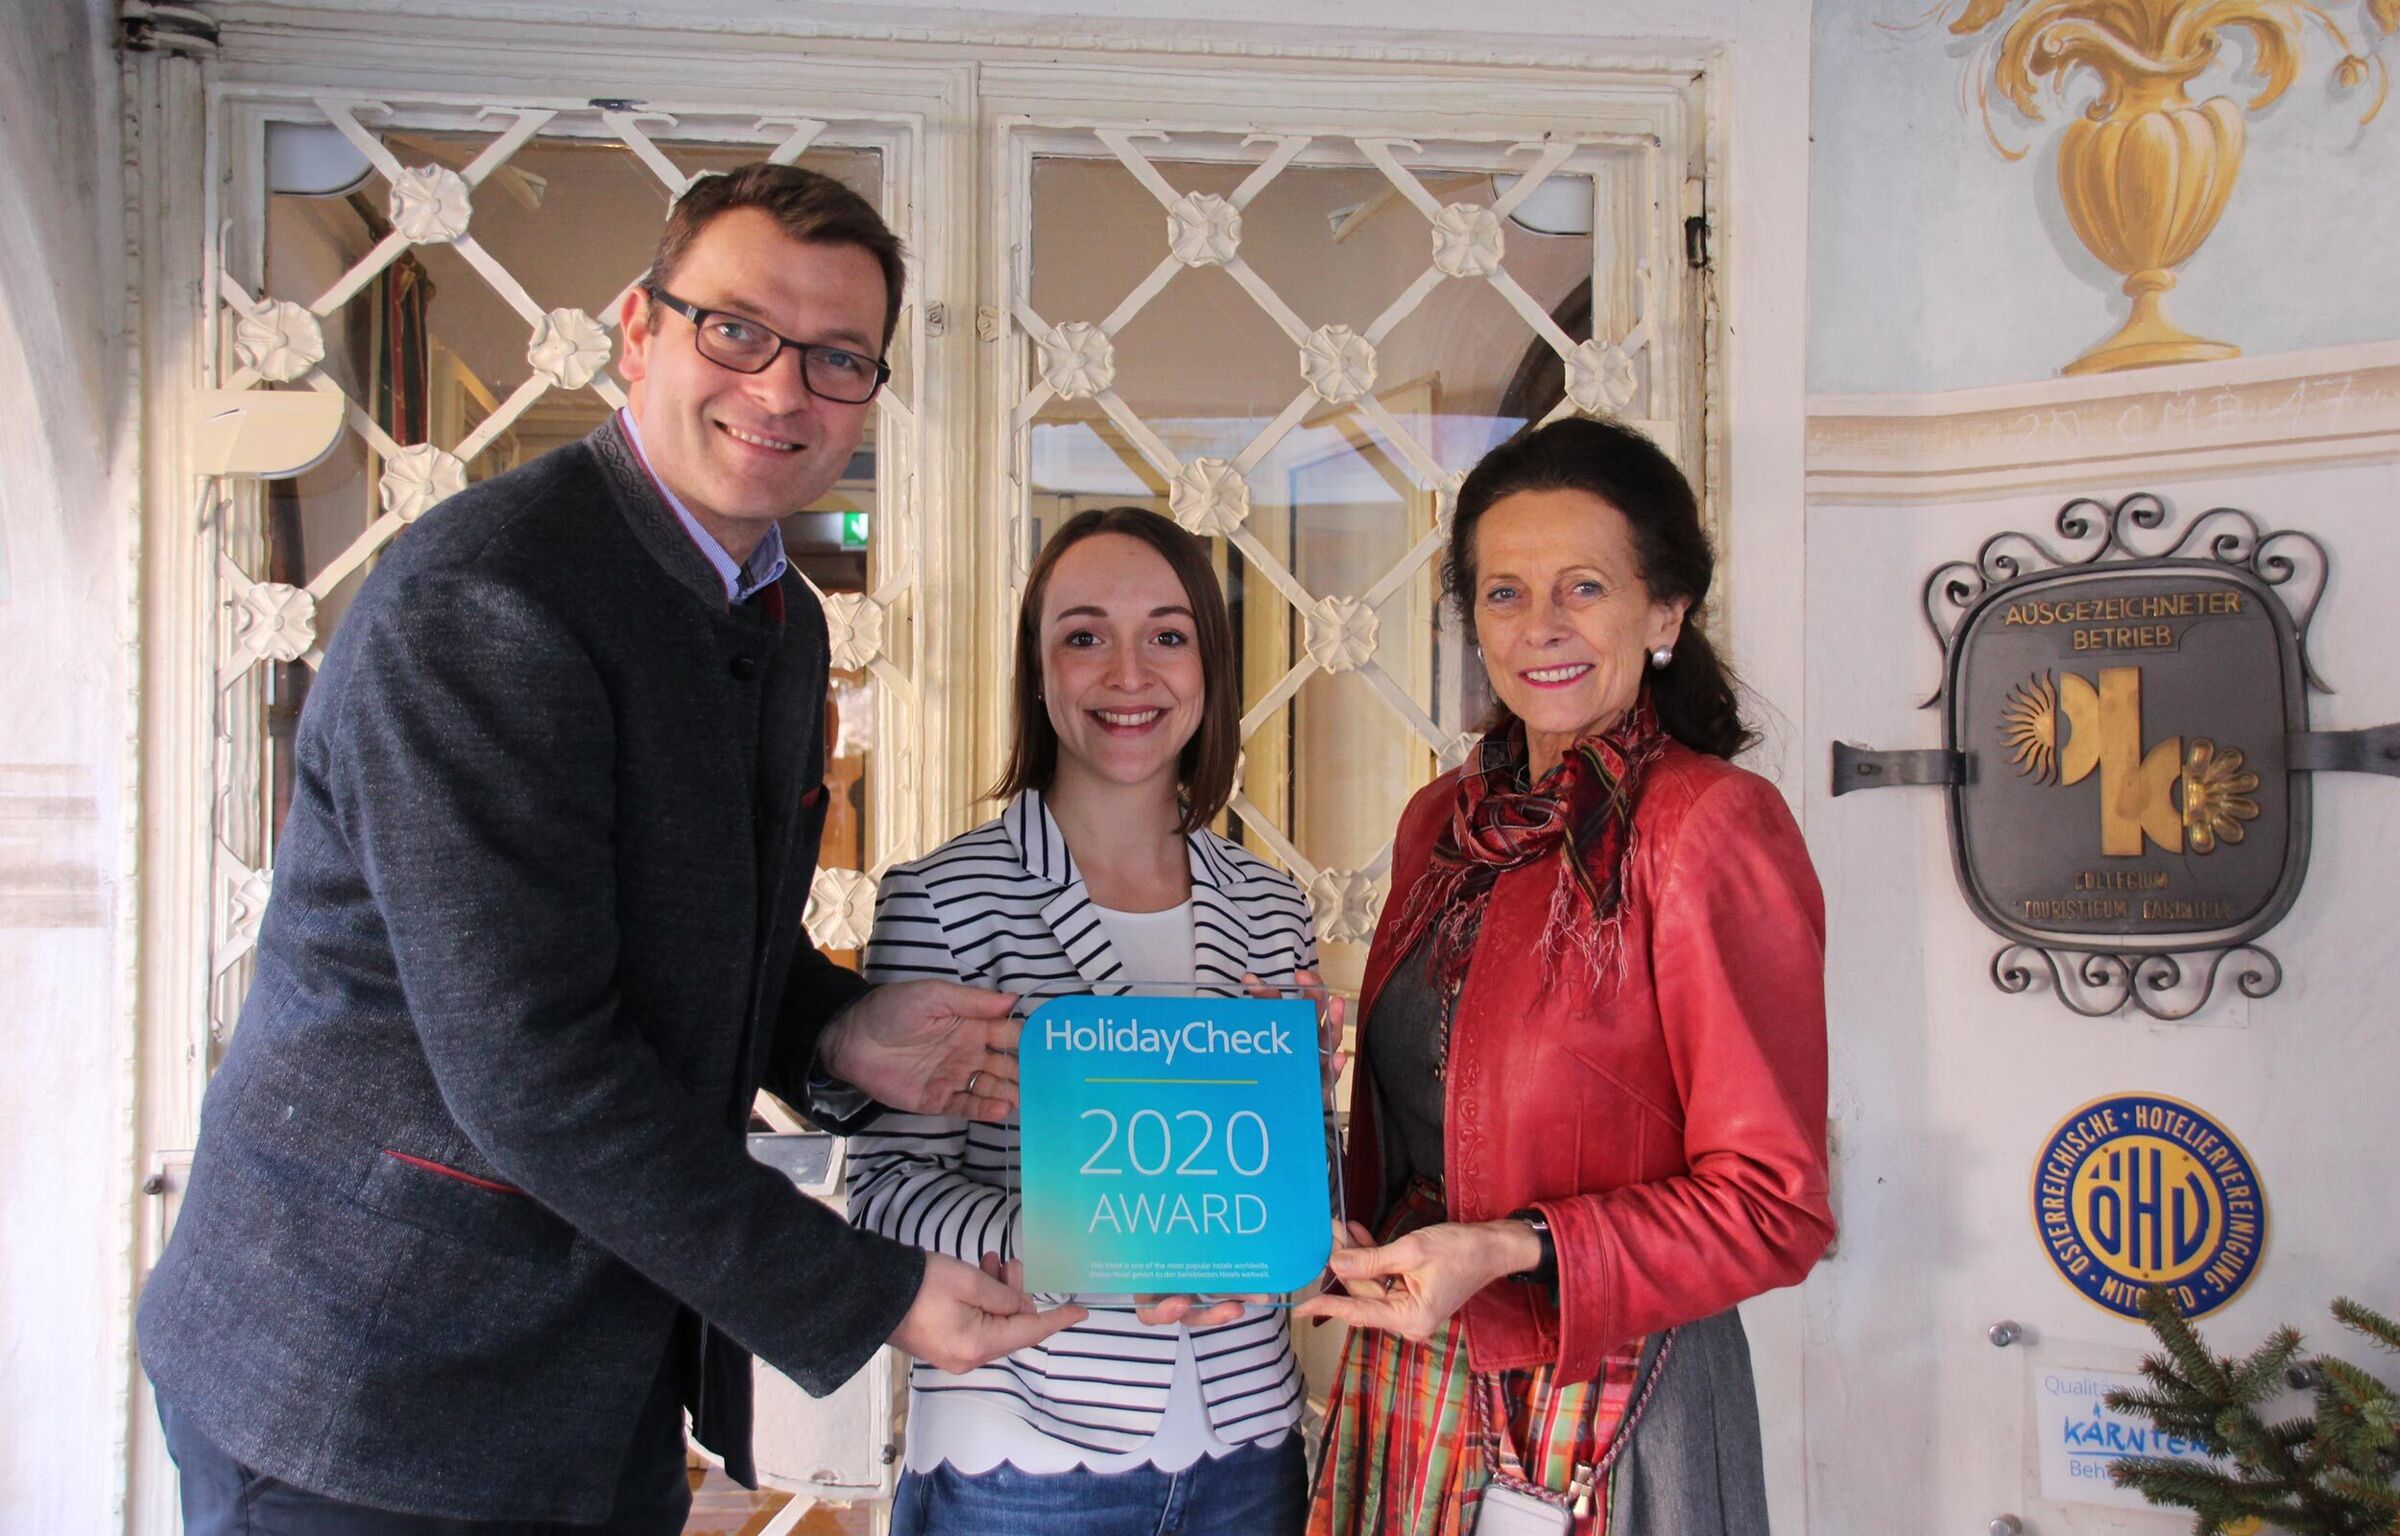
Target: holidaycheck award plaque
{"type": "Point", "coordinates": [1173, 1144]}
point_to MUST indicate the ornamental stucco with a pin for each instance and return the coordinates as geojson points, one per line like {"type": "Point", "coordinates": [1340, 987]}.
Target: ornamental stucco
{"type": "Point", "coordinates": [430, 205]}
{"type": "Point", "coordinates": [246, 908]}
{"type": "Point", "coordinates": [1204, 230]}
{"type": "Point", "coordinates": [841, 909]}
{"type": "Point", "coordinates": [279, 341]}
{"type": "Point", "coordinates": [1078, 360]}
{"type": "Point", "coordinates": [1467, 241]}
{"type": "Point", "coordinates": [275, 622]}
{"type": "Point", "coordinates": [1601, 378]}
{"type": "Point", "coordinates": [1338, 363]}
{"type": "Point", "coordinates": [1346, 902]}
{"type": "Point", "coordinates": [569, 348]}
{"type": "Point", "coordinates": [1209, 498]}
{"type": "Point", "coordinates": [1341, 633]}
{"type": "Point", "coordinates": [853, 630]}
{"type": "Point", "coordinates": [420, 478]}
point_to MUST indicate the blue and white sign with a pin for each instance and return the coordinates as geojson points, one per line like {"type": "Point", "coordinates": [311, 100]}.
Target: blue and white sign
{"type": "Point", "coordinates": [2081, 1437]}
{"type": "Point", "coordinates": [1173, 1144]}
{"type": "Point", "coordinates": [2139, 1190]}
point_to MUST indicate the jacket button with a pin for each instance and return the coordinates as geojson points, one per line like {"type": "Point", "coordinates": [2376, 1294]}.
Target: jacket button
{"type": "Point", "coordinates": [744, 669]}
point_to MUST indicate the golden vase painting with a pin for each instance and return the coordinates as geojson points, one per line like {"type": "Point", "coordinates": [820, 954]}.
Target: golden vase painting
{"type": "Point", "coordinates": [2145, 172]}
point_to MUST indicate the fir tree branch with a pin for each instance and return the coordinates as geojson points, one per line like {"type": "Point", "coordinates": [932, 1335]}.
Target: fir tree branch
{"type": "Point", "coordinates": [2331, 1474]}
{"type": "Point", "coordinates": [2368, 1321]}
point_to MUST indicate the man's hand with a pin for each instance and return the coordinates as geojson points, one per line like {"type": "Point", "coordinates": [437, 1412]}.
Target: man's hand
{"type": "Point", "coordinates": [964, 1318]}
{"type": "Point", "coordinates": [928, 1047]}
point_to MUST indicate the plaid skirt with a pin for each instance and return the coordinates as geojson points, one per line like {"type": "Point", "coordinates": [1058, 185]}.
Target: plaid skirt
{"type": "Point", "coordinates": [1402, 1455]}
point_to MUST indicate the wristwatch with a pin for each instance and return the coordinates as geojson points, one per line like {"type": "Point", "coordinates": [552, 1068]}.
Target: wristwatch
{"type": "Point", "coordinates": [1544, 1273]}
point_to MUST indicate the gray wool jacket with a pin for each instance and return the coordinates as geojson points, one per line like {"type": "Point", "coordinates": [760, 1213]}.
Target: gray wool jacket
{"type": "Point", "coordinates": [473, 1163]}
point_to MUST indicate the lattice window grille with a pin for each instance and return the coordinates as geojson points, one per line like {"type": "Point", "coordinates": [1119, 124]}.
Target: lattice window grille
{"type": "Point", "coordinates": [1074, 359]}
{"type": "Point", "coordinates": [276, 341]}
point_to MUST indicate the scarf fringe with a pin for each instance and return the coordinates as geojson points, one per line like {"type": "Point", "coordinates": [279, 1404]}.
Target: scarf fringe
{"type": "Point", "coordinates": [1597, 936]}
{"type": "Point", "coordinates": [1585, 822]}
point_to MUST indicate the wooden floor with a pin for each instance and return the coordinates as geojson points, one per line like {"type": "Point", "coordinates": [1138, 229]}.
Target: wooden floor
{"type": "Point", "coordinates": [723, 1507]}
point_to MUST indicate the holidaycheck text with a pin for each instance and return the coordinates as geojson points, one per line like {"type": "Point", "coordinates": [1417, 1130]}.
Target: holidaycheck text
{"type": "Point", "coordinates": [1201, 1037]}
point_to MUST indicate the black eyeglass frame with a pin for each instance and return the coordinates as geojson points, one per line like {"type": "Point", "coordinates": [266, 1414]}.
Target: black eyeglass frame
{"type": "Point", "coordinates": [807, 349]}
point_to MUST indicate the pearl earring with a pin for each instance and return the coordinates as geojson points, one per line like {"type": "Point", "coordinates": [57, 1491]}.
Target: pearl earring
{"type": "Point", "coordinates": [1660, 657]}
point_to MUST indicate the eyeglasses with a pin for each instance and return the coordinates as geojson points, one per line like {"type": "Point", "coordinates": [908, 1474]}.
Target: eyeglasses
{"type": "Point", "coordinates": [745, 346]}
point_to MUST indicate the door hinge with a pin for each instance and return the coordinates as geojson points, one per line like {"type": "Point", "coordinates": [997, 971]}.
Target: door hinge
{"type": "Point", "coordinates": [1856, 767]}
{"type": "Point", "coordinates": [146, 28]}
{"type": "Point", "coordinates": [2373, 750]}
{"type": "Point", "coordinates": [1695, 225]}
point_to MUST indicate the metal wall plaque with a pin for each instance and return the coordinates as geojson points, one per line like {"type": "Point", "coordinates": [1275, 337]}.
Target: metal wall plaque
{"type": "Point", "coordinates": [2126, 749]}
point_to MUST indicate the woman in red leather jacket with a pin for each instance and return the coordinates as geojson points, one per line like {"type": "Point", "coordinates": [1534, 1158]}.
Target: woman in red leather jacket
{"type": "Point", "coordinates": [1590, 1110]}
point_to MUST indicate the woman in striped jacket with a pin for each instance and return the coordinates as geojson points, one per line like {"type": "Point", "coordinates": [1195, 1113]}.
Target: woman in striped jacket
{"type": "Point", "coordinates": [1100, 872]}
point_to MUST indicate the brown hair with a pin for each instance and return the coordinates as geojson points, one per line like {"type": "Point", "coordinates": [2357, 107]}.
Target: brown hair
{"type": "Point", "coordinates": [1206, 767]}
{"type": "Point", "coordinates": [810, 207]}
{"type": "Point", "coordinates": [1694, 694]}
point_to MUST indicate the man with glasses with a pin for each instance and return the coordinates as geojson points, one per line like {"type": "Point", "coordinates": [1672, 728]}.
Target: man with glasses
{"type": "Point", "coordinates": [471, 1220]}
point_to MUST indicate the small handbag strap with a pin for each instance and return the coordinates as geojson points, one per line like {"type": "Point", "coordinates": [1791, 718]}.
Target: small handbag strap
{"type": "Point", "coordinates": [1500, 1449]}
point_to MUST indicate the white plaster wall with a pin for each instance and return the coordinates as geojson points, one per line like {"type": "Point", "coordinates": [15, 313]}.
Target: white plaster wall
{"type": "Point", "coordinates": [1944, 1089]}
{"type": "Point", "coordinates": [64, 1212]}
{"type": "Point", "coordinates": [1937, 264]}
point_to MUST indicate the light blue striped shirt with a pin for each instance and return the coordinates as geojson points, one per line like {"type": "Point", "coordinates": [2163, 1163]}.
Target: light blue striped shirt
{"type": "Point", "coordinates": [766, 564]}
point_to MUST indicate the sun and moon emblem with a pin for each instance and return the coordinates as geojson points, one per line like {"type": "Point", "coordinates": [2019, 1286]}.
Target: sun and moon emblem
{"type": "Point", "coordinates": [2216, 795]}
{"type": "Point", "coordinates": [2042, 725]}
{"type": "Point", "coordinates": [2029, 727]}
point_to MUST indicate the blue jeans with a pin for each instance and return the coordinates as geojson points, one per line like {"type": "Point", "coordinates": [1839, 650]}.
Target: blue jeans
{"type": "Point", "coordinates": [1252, 1492]}
{"type": "Point", "coordinates": [221, 1497]}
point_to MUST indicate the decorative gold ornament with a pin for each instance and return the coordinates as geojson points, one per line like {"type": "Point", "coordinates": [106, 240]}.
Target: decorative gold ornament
{"type": "Point", "coordinates": [2029, 725]}
{"type": "Point", "coordinates": [2216, 795]}
{"type": "Point", "coordinates": [2058, 729]}
{"type": "Point", "coordinates": [2145, 172]}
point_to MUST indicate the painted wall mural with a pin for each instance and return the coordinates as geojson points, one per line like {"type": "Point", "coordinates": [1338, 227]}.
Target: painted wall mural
{"type": "Point", "coordinates": [2145, 172]}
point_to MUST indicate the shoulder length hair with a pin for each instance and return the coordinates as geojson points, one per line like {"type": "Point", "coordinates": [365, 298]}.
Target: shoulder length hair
{"type": "Point", "coordinates": [1695, 693]}
{"type": "Point", "coordinates": [1205, 770]}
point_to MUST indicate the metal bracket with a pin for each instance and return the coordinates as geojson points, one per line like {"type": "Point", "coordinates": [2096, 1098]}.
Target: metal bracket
{"type": "Point", "coordinates": [2373, 750]}
{"type": "Point", "coordinates": [1856, 767]}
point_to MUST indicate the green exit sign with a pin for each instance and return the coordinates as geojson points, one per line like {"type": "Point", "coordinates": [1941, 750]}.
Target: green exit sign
{"type": "Point", "coordinates": [854, 530]}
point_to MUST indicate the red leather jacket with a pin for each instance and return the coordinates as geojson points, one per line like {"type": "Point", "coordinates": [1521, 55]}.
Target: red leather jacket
{"type": "Point", "coordinates": [1672, 1132]}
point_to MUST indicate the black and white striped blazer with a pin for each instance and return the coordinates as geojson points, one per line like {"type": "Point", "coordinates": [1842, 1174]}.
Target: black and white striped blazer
{"type": "Point", "coordinates": [1004, 907]}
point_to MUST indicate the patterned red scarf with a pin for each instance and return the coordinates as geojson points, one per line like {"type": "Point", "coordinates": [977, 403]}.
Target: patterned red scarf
{"type": "Point", "coordinates": [1581, 813]}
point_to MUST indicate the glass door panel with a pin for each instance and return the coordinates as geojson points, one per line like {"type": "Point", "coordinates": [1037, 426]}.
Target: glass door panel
{"type": "Point", "coordinates": [452, 277]}
{"type": "Point", "coordinates": [1297, 347]}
